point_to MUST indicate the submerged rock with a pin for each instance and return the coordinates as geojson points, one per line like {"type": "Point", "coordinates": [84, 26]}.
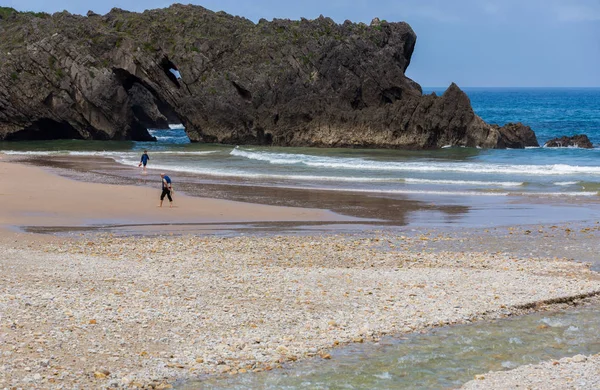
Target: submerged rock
{"type": "Point", "coordinates": [577, 141]}
{"type": "Point", "coordinates": [293, 83]}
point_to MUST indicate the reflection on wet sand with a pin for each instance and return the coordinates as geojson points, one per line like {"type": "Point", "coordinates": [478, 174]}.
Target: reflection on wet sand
{"type": "Point", "coordinates": [392, 210]}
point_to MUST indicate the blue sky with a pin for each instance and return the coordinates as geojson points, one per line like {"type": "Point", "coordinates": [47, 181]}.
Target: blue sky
{"type": "Point", "coordinates": [471, 42]}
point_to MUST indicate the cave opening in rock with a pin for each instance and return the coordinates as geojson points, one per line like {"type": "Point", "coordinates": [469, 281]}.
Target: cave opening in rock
{"type": "Point", "coordinates": [171, 71]}
{"type": "Point", "coordinates": [45, 129]}
{"type": "Point", "coordinates": [263, 138]}
{"type": "Point", "coordinates": [126, 79]}
{"type": "Point", "coordinates": [149, 110]}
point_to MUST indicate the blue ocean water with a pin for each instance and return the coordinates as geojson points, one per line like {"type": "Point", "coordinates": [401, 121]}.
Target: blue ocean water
{"type": "Point", "coordinates": [453, 172]}
{"type": "Point", "coordinates": [551, 112]}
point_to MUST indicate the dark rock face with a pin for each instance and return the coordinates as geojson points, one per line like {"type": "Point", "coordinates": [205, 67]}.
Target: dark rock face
{"type": "Point", "coordinates": [578, 141]}
{"type": "Point", "coordinates": [296, 83]}
{"type": "Point", "coordinates": [516, 136]}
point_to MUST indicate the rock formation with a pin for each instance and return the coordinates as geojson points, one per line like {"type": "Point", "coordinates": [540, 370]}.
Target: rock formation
{"type": "Point", "coordinates": [577, 141]}
{"type": "Point", "coordinates": [297, 83]}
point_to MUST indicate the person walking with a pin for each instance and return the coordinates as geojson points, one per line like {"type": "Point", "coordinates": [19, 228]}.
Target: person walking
{"type": "Point", "coordinates": [144, 160]}
{"type": "Point", "coordinates": [166, 190]}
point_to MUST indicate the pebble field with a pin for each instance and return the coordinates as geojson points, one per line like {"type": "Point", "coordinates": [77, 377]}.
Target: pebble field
{"type": "Point", "coordinates": [146, 312]}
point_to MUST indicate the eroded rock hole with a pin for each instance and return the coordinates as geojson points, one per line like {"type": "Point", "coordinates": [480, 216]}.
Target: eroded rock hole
{"type": "Point", "coordinates": [126, 79]}
{"type": "Point", "coordinates": [268, 140]}
{"type": "Point", "coordinates": [45, 129]}
{"type": "Point", "coordinates": [139, 132]}
{"type": "Point", "coordinates": [149, 111]}
{"type": "Point", "coordinates": [145, 109]}
{"type": "Point", "coordinates": [264, 138]}
{"type": "Point", "coordinates": [49, 100]}
{"type": "Point", "coordinates": [171, 71]}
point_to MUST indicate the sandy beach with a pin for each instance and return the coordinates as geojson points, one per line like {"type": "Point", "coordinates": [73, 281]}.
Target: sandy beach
{"type": "Point", "coordinates": [34, 197]}
{"type": "Point", "coordinates": [132, 312]}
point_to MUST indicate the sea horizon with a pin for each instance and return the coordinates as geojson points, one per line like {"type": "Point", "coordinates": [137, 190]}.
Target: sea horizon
{"type": "Point", "coordinates": [515, 87]}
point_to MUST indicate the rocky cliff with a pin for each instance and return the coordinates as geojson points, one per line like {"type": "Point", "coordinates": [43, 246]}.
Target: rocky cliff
{"type": "Point", "coordinates": [228, 80]}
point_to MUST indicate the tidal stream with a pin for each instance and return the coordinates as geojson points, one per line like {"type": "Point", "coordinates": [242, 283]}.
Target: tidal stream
{"type": "Point", "coordinates": [441, 358]}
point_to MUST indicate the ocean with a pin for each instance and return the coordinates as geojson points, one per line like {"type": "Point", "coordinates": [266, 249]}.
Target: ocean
{"type": "Point", "coordinates": [451, 175]}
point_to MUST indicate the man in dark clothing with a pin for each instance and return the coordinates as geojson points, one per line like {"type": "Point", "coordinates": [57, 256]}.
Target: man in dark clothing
{"type": "Point", "coordinates": [166, 190]}
{"type": "Point", "coordinates": [144, 160]}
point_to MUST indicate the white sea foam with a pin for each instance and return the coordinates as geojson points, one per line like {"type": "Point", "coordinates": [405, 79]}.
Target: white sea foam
{"type": "Point", "coordinates": [295, 182]}
{"type": "Point", "coordinates": [240, 174]}
{"type": "Point", "coordinates": [571, 194]}
{"type": "Point", "coordinates": [383, 375]}
{"type": "Point", "coordinates": [466, 182]}
{"type": "Point", "coordinates": [422, 166]}
{"type": "Point", "coordinates": [404, 191]}
{"type": "Point", "coordinates": [565, 183]}
{"type": "Point", "coordinates": [564, 147]}
{"type": "Point", "coordinates": [536, 170]}
{"type": "Point", "coordinates": [100, 153]}
{"type": "Point", "coordinates": [356, 179]}
{"type": "Point", "coordinates": [65, 153]}
{"type": "Point", "coordinates": [273, 158]}
{"type": "Point", "coordinates": [33, 153]}
{"type": "Point", "coordinates": [183, 152]}
{"type": "Point", "coordinates": [455, 193]}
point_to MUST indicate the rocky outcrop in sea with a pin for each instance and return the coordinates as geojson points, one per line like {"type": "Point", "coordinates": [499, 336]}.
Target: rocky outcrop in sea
{"type": "Point", "coordinates": [228, 80]}
{"type": "Point", "coordinates": [576, 141]}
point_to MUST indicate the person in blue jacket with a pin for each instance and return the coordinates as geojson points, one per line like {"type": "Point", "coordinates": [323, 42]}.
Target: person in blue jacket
{"type": "Point", "coordinates": [144, 160]}
{"type": "Point", "coordinates": [166, 190]}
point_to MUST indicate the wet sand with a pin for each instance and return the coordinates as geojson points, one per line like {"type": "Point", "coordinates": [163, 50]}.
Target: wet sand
{"type": "Point", "coordinates": [391, 211]}
{"type": "Point", "coordinates": [383, 210]}
{"type": "Point", "coordinates": [33, 197]}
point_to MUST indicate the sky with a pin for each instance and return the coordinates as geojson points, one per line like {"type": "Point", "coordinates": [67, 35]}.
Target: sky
{"type": "Point", "coordinates": [475, 43]}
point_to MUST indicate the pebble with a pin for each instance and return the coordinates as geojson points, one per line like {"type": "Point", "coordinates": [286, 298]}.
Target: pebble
{"type": "Point", "coordinates": [579, 372]}
{"type": "Point", "coordinates": [113, 316]}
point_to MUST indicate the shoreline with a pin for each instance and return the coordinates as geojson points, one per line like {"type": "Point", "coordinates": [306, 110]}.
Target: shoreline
{"type": "Point", "coordinates": [160, 309]}
{"type": "Point", "coordinates": [396, 211]}
{"type": "Point", "coordinates": [35, 197]}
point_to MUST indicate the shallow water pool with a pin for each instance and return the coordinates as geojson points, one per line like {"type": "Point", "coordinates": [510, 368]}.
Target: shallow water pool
{"type": "Point", "coordinates": [442, 358]}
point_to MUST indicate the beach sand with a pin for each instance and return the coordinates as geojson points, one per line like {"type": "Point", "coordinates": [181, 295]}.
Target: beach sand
{"type": "Point", "coordinates": [104, 311]}
{"type": "Point", "coordinates": [33, 197]}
